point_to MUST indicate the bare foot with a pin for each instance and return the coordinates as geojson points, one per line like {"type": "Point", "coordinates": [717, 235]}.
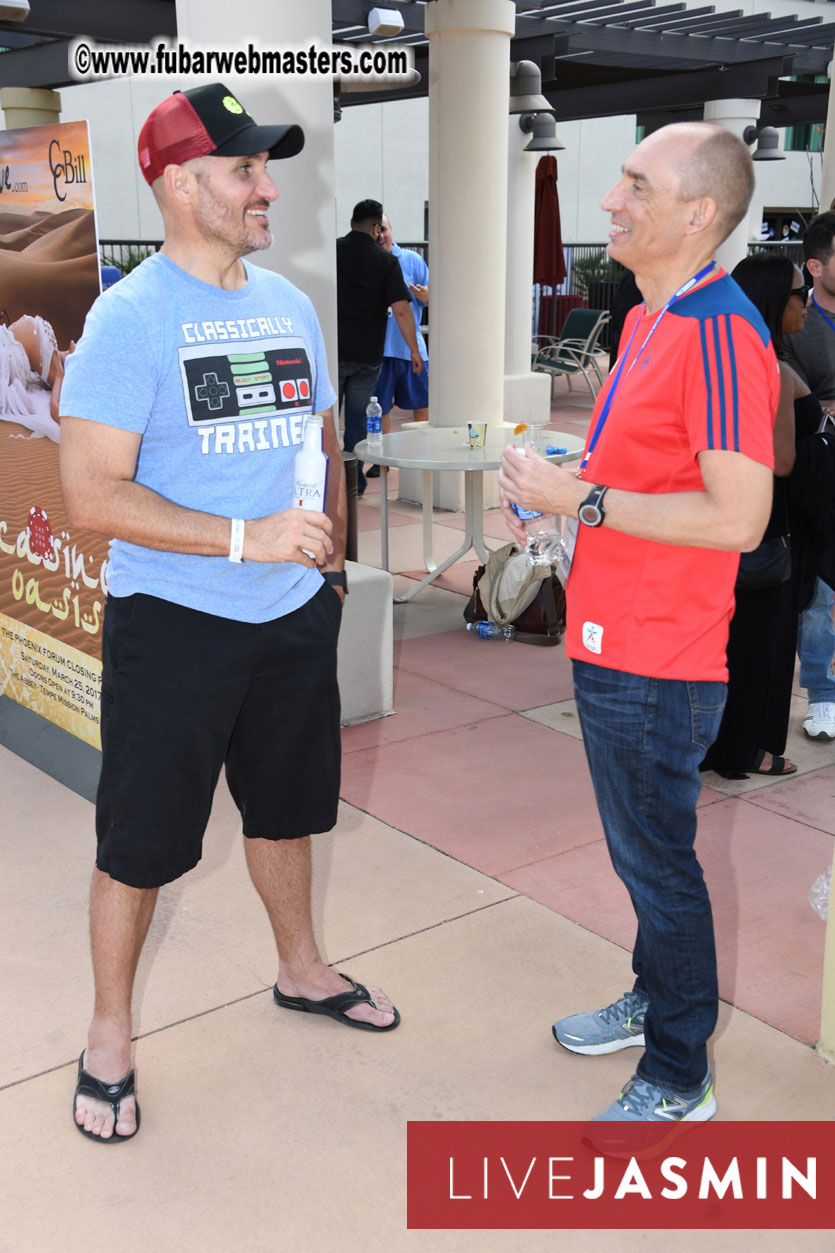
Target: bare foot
{"type": "Point", "coordinates": [325, 982]}
{"type": "Point", "coordinates": [97, 1117]}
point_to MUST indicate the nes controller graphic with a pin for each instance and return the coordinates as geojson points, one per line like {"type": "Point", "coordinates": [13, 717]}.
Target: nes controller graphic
{"type": "Point", "coordinates": [273, 377]}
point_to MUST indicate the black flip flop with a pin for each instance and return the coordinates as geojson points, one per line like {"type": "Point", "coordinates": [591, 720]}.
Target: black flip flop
{"type": "Point", "coordinates": [336, 1006]}
{"type": "Point", "coordinates": [111, 1093]}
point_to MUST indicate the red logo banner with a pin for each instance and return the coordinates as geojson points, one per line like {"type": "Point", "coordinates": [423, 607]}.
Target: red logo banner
{"type": "Point", "coordinates": [603, 1175]}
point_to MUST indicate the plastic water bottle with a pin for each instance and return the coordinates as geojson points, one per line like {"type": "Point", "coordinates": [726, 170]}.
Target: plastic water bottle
{"type": "Point", "coordinates": [819, 894]}
{"type": "Point", "coordinates": [491, 631]}
{"type": "Point", "coordinates": [543, 533]}
{"type": "Point", "coordinates": [310, 470]}
{"type": "Point", "coordinates": [374, 424]}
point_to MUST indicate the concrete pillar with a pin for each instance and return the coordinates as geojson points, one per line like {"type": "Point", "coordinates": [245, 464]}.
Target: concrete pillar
{"type": "Point", "coordinates": [469, 91]}
{"type": "Point", "coordinates": [469, 95]}
{"type": "Point", "coordinates": [734, 115]}
{"type": "Point", "coordinates": [828, 168]}
{"type": "Point", "coordinates": [30, 106]}
{"type": "Point", "coordinates": [304, 217]}
{"type": "Point", "coordinates": [527, 396]}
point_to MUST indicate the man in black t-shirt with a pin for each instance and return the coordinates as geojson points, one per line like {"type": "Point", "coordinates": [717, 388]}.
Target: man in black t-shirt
{"type": "Point", "coordinates": [368, 281]}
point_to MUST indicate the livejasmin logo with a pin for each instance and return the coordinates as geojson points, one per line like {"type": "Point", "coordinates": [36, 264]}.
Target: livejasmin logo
{"type": "Point", "coordinates": [529, 1175]}
{"type": "Point", "coordinates": [615, 1181]}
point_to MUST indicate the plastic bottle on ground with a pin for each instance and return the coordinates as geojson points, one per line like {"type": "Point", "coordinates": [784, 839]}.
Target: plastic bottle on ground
{"type": "Point", "coordinates": [491, 631]}
{"type": "Point", "coordinates": [819, 894]}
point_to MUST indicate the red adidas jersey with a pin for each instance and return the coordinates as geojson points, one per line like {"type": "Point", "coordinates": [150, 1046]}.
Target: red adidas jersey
{"type": "Point", "coordinates": [708, 379]}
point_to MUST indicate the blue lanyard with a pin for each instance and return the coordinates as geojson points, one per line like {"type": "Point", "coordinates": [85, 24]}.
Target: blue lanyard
{"type": "Point", "coordinates": [610, 395]}
{"type": "Point", "coordinates": [823, 312]}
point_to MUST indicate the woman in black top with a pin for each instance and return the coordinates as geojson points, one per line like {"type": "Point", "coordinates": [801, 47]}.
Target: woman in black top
{"type": "Point", "coordinates": [763, 632]}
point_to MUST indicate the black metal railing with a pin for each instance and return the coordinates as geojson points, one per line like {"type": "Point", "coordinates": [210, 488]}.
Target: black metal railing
{"type": "Point", "coordinates": [591, 275]}
{"type": "Point", "coordinates": [126, 254]}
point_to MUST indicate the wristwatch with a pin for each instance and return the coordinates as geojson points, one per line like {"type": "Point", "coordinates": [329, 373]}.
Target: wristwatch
{"type": "Point", "coordinates": [591, 512]}
{"type": "Point", "coordinates": [336, 578]}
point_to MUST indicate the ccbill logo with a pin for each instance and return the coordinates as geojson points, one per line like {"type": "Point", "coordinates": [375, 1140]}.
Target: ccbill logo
{"type": "Point", "coordinates": [66, 168]}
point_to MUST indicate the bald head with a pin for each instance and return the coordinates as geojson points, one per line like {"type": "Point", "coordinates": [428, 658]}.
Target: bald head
{"type": "Point", "coordinates": [713, 163]}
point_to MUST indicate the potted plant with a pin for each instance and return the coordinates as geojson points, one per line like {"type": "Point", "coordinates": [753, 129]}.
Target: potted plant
{"type": "Point", "coordinates": [594, 277]}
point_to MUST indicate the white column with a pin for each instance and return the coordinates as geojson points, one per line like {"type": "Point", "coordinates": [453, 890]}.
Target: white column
{"type": "Point", "coordinates": [30, 106]}
{"type": "Point", "coordinates": [828, 168]}
{"type": "Point", "coordinates": [469, 95]}
{"type": "Point", "coordinates": [303, 219]}
{"type": "Point", "coordinates": [527, 396]}
{"type": "Point", "coordinates": [469, 91]}
{"type": "Point", "coordinates": [734, 115]}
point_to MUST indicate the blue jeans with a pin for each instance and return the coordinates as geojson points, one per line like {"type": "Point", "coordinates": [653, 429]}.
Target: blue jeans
{"type": "Point", "coordinates": [645, 739]}
{"type": "Point", "coordinates": [816, 646]}
{"type": "Point", "coordinates": [357, 381]}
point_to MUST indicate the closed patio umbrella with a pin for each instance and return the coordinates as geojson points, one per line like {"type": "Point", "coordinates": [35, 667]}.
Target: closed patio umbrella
{"type": "Point", "coordinates": [548, 259]}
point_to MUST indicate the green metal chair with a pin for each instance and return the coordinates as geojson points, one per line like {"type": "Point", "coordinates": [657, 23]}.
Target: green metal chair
{"type": "Point", "coordinates": [576, 350]}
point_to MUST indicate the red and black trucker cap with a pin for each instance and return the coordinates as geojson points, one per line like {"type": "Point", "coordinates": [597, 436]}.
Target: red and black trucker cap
{"type": "Point", "coordinates": [208, 121]}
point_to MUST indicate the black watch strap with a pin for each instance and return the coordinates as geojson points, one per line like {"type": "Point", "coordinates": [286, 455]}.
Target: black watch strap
{"type": "Point", "coordinates": [336, 578]}
{"type": "Point", "coordinates": [591, 512]}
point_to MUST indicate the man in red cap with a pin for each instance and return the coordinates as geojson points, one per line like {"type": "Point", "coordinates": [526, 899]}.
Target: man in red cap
{"type": "Point", "coordinates": [219, 639]}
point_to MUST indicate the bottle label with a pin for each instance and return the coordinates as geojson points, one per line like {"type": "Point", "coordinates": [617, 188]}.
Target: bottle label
{"type": "Point", "coordinates": [309, 495]}
{"type": "Point", "coordinates": [524, 515]}
{"type": "Point", "coordinates": [310, 484]}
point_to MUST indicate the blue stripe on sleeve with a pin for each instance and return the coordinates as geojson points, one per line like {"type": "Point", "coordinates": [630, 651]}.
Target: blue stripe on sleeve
{"type": "Point", "coordinates": [734, 380]}
{"type": "Point", "coordinates": [723, 405]}
{"type": "Point", "coordinates": [708, 389]}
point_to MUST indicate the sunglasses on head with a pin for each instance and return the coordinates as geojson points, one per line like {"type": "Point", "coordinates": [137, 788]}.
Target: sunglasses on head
{"type": "Point", "coordinates": [802, 292]}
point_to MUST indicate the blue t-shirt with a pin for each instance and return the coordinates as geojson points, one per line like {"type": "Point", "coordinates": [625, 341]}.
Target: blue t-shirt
{"type": "Point", "coordinates": [218, 384]}
{"type": "Point", "coordinates": [415, 270]}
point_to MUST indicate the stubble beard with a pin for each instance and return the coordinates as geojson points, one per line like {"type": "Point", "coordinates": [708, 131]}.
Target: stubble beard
{"type": "Point", "coordinates": [222, 225]}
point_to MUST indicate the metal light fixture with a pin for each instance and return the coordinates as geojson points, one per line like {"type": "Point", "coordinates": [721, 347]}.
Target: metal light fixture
{"type": "Point", "coordinates": [526, 89]}
{"type": "Point", "coordinates": [544, 128]}
{"type": "Point", "coordinates": [385, 22]}
{"type": "Point", "coordinates": [767, 139]}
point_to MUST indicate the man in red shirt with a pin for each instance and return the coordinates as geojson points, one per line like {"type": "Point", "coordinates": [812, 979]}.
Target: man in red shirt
{"type": "Point", "coordinates": [676, 481]}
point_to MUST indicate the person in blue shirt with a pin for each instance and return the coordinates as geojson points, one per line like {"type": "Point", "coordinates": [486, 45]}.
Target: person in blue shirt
{"type": "Point", "coordinates": [398, 384]}
{"type": "Point", "coordinates": [182, 415]}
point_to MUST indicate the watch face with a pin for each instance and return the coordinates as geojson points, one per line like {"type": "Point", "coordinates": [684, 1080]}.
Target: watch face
{"type": "Point", "coordinates": [590, 515]}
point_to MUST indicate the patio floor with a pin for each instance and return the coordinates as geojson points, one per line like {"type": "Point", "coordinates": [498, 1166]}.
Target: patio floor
{"type": "Point", "coordinates": [469, 877]}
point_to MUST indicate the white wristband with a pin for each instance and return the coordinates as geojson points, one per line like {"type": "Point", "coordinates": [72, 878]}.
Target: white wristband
{"type": "Point", "coordinates": [236, 542]}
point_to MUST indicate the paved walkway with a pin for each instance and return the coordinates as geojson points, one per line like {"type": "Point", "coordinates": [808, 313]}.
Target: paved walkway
{"type": "Point", "coordinates": [468, 876]}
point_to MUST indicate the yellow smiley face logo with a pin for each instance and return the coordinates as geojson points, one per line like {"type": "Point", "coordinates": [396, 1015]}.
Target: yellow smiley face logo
{"type": "Point", "coordinates": [232, 105]}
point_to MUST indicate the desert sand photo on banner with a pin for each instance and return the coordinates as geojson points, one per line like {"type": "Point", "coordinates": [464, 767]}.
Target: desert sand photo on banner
{"type": "Point", "coordinates": [52, 577]}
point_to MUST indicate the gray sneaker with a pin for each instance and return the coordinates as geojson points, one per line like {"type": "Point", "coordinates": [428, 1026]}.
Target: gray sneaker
{"type": "Point", "coordinates": [619, 1026]}
{"type": "Point", "coordinates": [642, 1100]}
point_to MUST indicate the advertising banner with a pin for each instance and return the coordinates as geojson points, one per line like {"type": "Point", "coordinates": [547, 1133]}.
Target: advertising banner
{"type": "Point", "coordinates": [52, 576]}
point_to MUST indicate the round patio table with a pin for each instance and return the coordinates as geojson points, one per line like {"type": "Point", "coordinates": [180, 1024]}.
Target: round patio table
{"type": "Point", "coordinates": [446, 448]}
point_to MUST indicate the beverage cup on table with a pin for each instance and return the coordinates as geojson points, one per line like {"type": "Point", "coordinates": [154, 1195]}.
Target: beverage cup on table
{"type": "Point", "coordinates": [535, 436]}
{"type": "Point", "coordinates": [477, 433]}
